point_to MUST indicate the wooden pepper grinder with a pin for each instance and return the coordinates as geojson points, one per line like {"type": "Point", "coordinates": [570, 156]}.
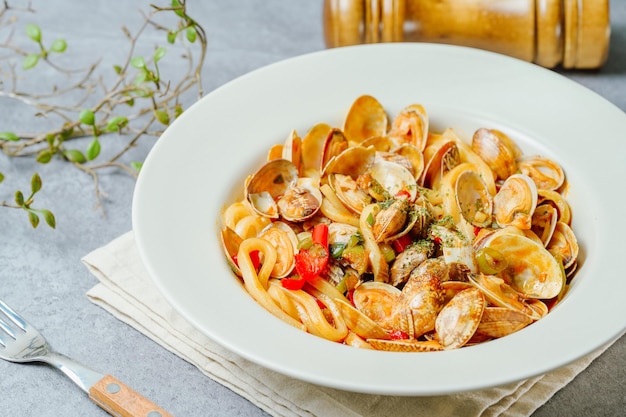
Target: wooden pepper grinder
{"type": "Point", "coordinates": [570, 33]}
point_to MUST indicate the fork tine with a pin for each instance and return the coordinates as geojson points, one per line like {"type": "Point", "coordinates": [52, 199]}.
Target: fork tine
{"type": "Point", "coordinates": [13, 316]}
{"type": "Point", "coordinates": [5, 327]}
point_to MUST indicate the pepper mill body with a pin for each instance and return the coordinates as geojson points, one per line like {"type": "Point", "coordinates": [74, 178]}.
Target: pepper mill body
{"type": "Point", "coordinates": [570, 33]}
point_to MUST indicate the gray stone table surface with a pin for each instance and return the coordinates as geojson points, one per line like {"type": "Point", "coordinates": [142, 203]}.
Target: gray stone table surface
{"type": "Point", "coordinates": [40, 270]}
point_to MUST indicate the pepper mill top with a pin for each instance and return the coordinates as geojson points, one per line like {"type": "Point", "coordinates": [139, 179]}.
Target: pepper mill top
{"type": "Point", "coordinates": [570, 33]}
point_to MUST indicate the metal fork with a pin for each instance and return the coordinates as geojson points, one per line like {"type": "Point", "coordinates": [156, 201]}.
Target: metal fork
{"type": "Point", "coordinates": [21, 342]}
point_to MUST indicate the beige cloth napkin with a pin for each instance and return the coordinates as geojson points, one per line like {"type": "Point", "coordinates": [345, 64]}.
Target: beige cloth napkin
{"type": "Point", "coordinates": [127, 292]}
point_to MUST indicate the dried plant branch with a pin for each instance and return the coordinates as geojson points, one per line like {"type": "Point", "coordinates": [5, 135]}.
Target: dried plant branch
{"type": "Point", "coordinates": [133, 103]}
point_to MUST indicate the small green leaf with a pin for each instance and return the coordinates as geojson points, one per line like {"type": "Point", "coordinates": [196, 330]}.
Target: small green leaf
{"type": "Point", "coordinates": [34, 32]}
{"type": "Point", "coordinates": [30, 61]}
{"type": "Point", "coordinates": [117, 123]}
{"type": "Point", "coordinates": [138, 62]}
{"type": "Point", "coordinates": [74, 155]}
{"type": "Point", "coordinates": [87, 117]}
{"type": "Point", "coordinates": [59, 45]}
{"type": "Point", "coordinates": [35, 183]}
{"type": "Point", "coordinates": [93, 150]}
{"type": "Point", "coordinates": [136, 166]}
{"type": "Point", "coordinates": [19, 198]}
{"type": "Point", "coordinates": [117, 69]}
{"type": "Point", "coordinates": [178, 9]}
{"type": "Point", "coordinates": [159, 53]}
{"type": "Point", "coordinates": [141, 77]}
{"type": "Point", "coordinates": [162, 117]}
{"type": "Point", "coordinates": [1, 177]}
{"type": "Point", "coordinates": [178, 110]}
{"type": "Point", "coordinates": [192, 34]}
{"type": "Point", "coordinates": [9, 136]}
{"type": "Point", "coordinates": [66, 133]}
{"type": "Point", "coordinates": [171, 36]}
{"type": "Point", "coordinates": [34, 219]}
{"type": "Point", "coordinates": [49, 218]}
{"type": "Point", "coordinates": [44, 156]}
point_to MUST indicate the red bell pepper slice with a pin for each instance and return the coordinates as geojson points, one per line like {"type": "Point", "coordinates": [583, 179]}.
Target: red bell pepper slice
{"type": "Point", "coordinates": [292, 283]}
{"type": "Point", "coordinates": [400, 244]}
{"type": "Point", "coordinates": [312, 261]}
{"type": "Point", "coordinates": [254, 257]}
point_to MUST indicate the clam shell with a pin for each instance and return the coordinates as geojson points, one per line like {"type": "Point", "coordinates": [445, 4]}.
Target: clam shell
{"type": "Point", "coordinates": [515, 202]}
{"type": "Point", "coordinates": [268, 184]}
{"type": "Point", "coordinates": [499, 321]}
{"type": "Point", "coordinates": [473, 199]}
{"type": "Point", "coordinates": [458, 320]}
{"type": "Point", "coordinates": [497, 150]}
{"type": "Point", "coordinates": [365, 119]}
{"type": "Point", "coordinates": [376, 300]}
{"type": "Point", "coordinates": [531, 270]}
{"type": "Point", "coordinates": [546, 173]}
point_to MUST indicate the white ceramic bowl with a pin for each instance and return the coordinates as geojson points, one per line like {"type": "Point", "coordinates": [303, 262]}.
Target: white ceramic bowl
{"type": "Point", "coordinates": [199, 163]}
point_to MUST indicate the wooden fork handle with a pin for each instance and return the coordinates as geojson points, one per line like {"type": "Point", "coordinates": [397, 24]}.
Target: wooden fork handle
{"type": "Point", "coordinates": [120, 400]}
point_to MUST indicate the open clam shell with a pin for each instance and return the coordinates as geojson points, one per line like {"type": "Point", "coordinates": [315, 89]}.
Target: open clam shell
{"type": "Point", "coordinates": [497, 150]}
{"type": "Point", "coordinates": [531, 270]}
{"type": "Point", "coordinates": [473, 198]}
{"type": "Point", "coordinates": [268, 184]}
{"type": "Point", "coordinates": [515, 202]}
{"type": "Point", "coordinates": [546, 173]}
{"type": "Point", "coordinates": [365, 119]}
{"type": "Point", "coordinates": [411, 126]}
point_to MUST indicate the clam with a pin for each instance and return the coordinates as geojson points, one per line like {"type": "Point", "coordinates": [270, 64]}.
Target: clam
{"type": "Point", "coordinates": [544, 222]}
{"type": "Point", "coordinates": [473, 199]}
{"type": "Point", "coordinates": [380, 143]}
{"type": "Point", "coordinates": [455, 246]}
{"type": "Point", "coordinates": [422, 298]}
{"type": "Point", "coordinates": [354, 161]}
{"type": "Point", "coordinates": [313, 147]}
{"type": "Point", "coordinates": [467, 155]}
{"type": "Point", "coordinates": [268, 184]}
{"type": "Point", "coordinates": [407, 260]}
{"type": "Point", "coordinates": [376, 301]}
{"type": "Point", "coordinates": [414, 158]}
{"type": "Point", "coordinates": [501, 294]}
{"type": "Point", "coordinates": [335, 143]}
{"type": "Point", "coordinates": [411, 126]}
{"type": "Point", "coordinates": [558, 201]}
{"type": "Point", "coordinates": [546, 173]}
{"type": "Point", "coordinates": [444, 159]}
{"type": "Point", "coordinates": [531, 269]}
{"type": "Point", "coordinates": [452, 288]}
{"type": "Point", "coordinates": [292, 149]}
{"type": "Point", "coordinates": [359, 323]}
{"type": "Point", "coordinates": [515, 202]}
{"type": "Point", "coordinates": [301, 200]}
{"type": "Point", "coordinates": [497, 150]}
{"type": "Point", "coordinates": [393, 218]}
{"type": "Point", "coordinates": [460, 317]}
{"type": "Point", "coordinates": [425, 213]}
{"type": "Point", "coordinates": [406, 345]}
{"type": "Point", "coordinates": [349, 193]}
{"type": "Point", "coordinates": [389, 221]}
{"type": "Point", "coordinates": [284, 239]}
{"type": "Point", "coordinates": [564, 245]}
{"type": "Point", "coordinates": [365, 119]}
{"type": "Point", "coordinates": [501, 321]}
{"type": "Point", "coordinates": [230, 244]}
{"type": "Point", "coordinates": [394, 178]}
